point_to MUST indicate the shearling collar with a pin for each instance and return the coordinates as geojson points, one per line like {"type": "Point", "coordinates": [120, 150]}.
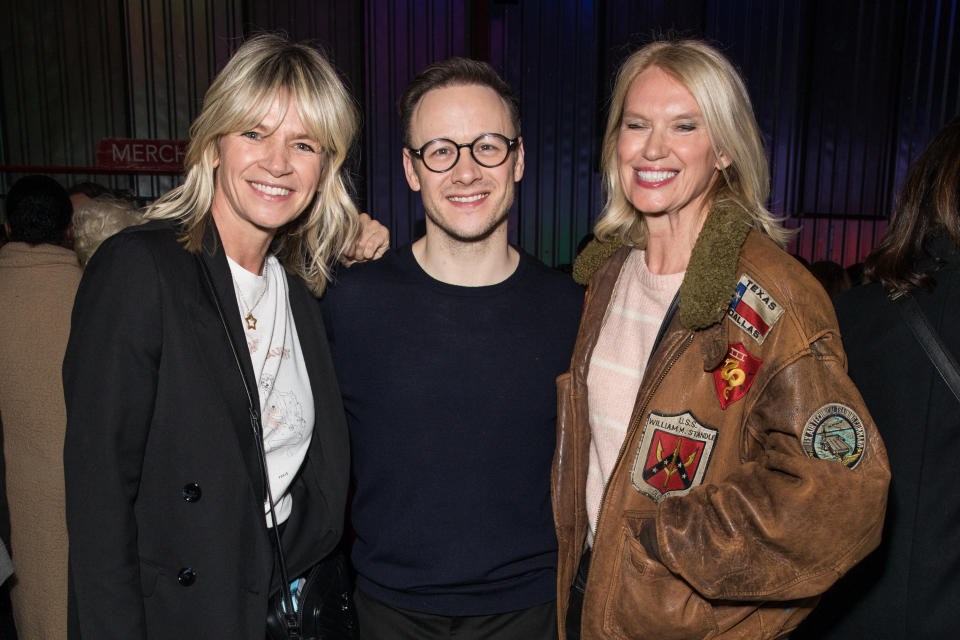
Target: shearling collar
{"type": "Point", "coordinates": [711, 275]}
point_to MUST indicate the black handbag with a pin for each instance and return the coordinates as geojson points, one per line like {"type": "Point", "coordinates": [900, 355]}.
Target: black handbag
{"type": "Point", "coordinates": [323, 609]}
{"type": "Point", "coordinates": [324, 605]}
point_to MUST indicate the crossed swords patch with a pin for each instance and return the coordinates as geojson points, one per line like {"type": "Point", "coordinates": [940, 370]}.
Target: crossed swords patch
{"type": "Point", "coordinates": [673, 455]}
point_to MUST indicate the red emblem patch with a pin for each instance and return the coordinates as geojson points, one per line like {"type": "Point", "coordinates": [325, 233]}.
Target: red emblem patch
{"type": "Point", "coordinates": [734, 377]}
{"type": "Point", "coordinates": [673, 455]}
{"type": "Point", "coordinates": [672, 462]}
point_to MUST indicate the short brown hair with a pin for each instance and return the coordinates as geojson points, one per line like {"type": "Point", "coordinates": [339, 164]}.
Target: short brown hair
{"type": "Point", "coordinates": [454, 72]}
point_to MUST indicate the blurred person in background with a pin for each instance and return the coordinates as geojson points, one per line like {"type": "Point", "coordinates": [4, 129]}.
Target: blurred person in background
{"type": "Point", "coordinates": [831, 276]}
{"type": "Point", "coordinates": [38, 281]}
{"type": "Point", "coordinates": [96, 219]}
{"type": "Point", "coordinates": [908, 588]}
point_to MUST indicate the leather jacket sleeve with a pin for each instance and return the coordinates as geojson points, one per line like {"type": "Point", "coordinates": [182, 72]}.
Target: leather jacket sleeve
{"type": "Point", "coordinates": [806, 521]}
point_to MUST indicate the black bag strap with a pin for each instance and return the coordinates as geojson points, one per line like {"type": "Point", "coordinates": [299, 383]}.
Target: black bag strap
{"type": "Point", "coordinates": [942, 359]}
{"type": "Point", "coordinates": [291, 620]}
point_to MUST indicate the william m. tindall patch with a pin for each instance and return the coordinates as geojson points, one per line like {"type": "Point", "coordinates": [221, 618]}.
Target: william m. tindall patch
{"type": "Point", "coordinates": [673, 455]}
{"type": "Point", "coordinates": [834, 432]}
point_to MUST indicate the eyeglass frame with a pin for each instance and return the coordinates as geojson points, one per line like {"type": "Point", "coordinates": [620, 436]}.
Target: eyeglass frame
{"type": "Point", "coordinates": [511, 144]}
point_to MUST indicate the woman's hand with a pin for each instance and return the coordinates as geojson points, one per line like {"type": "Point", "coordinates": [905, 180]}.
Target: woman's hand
{"type": "Point", "coordinates": [372, 241]}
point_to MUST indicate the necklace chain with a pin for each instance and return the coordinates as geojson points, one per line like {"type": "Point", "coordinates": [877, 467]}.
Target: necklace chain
{"type": "Point", "coordinates": [249, 318]}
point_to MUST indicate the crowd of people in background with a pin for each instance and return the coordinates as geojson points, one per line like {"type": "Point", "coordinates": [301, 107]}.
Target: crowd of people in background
{"type": "Point", "coordinates": [738, 444]}
{"type": "Point", "coordinates": [39, 276]}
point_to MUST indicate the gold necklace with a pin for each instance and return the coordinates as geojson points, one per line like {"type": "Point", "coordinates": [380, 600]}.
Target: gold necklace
{"type": "Point", "coordinates": [251, 319]}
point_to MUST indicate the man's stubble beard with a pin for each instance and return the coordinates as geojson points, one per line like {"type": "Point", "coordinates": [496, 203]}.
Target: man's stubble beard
{"type": "Point", "coordinates": [475, 238]}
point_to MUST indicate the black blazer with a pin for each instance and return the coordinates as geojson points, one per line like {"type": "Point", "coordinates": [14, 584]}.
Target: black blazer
{"type": "Point", "coordinates": [164, 490]}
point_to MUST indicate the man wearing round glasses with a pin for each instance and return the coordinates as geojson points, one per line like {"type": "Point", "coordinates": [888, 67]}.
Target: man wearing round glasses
{"type": "Point", "coordinates": [467, 196]}
{"type": "Point", "coordinates": [489, 150]}
{"type": "Point", "coordinates": [446, 352]}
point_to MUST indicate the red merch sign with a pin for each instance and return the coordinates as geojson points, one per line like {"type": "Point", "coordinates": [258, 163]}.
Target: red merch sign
{"type": "Point", "coordinates": [144, 155]}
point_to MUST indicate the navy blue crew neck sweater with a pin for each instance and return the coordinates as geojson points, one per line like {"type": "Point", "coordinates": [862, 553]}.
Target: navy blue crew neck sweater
{"type": "Point", "coordinates": [451, 402]}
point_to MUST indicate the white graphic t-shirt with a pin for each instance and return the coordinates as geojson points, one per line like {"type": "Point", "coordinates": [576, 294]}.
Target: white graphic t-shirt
{"type": "Point", "coordinates": [286, 401]}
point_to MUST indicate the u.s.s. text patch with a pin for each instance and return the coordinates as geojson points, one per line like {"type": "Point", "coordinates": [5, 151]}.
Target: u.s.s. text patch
{"type": "Point", "coordinates": [834, 432]}
{"type": "Point", "coordinates": [753, 309]}
{"type": "Point", "coordinates": [673, 455]}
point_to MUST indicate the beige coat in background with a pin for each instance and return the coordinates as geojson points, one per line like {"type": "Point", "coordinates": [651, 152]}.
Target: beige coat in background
{"type": "Point", "coordinates": [37, 287]}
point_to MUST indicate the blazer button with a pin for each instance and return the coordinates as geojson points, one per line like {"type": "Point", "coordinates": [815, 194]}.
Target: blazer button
{"type": "Point", "coordinates": [191, 492]}
{"type": "Point", "coordinates": [187, 576]}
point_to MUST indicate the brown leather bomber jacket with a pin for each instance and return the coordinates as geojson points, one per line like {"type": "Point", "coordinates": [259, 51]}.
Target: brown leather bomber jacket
{"type": "Point", "coordinates": [751, 476]}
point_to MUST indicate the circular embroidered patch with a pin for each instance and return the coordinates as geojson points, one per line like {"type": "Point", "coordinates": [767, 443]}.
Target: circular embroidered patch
{"type": "Point", "coordinates": [834, 432]}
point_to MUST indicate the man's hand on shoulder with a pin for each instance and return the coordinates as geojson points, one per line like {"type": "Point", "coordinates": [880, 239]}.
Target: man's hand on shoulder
{"type": "Point", "coordinates": [371, 243]}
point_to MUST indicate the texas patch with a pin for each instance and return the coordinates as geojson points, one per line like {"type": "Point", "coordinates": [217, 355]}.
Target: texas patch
{"type": "Point", "coordinates": [753, 309]}
{"type": "Point", "coordinates": [673, 455]}
{"type": "Point", "coordinates": [734, 377]}
{"type": "Point", "coordinates": [834, 432]}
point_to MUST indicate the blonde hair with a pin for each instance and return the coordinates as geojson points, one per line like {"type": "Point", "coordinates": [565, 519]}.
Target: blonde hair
{"type": "Point", "coordinates": [731, 126]}
{"type": "Point", "coordinates": [97, 219]}
{"type": "Point", "coordinates": [241, 95]}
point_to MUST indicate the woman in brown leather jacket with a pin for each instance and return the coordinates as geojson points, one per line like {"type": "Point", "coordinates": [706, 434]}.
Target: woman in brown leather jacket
{"type": "Point", "coordinates": [716, 469]}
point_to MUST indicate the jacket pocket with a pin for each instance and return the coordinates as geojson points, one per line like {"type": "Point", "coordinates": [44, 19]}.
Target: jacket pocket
{"type": "Point", "coordinates": [646, 600]}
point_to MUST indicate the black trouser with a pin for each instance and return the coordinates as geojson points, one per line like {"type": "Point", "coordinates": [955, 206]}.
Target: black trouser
{"type": "Point", "coordinates": [577, 589]}
{"type": "Point", "coordinates": [379, 621]}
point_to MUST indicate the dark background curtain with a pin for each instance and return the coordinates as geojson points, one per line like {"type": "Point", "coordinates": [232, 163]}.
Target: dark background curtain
{"type": "Point", "coordinates": [847, 93]}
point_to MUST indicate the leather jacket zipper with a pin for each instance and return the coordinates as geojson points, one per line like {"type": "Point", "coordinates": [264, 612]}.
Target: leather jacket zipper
{"type": "Point", "coordinates": [636, 422]}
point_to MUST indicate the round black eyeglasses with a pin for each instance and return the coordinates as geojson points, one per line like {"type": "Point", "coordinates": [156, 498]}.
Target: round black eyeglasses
{"type": "Point", "coordinates": [489, 150]}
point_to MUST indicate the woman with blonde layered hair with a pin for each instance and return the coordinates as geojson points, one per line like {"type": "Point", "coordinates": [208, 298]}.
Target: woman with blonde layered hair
{"type": "Point", "coordinates": [731, 126]}
{"type": "Point", "coordinates": [206, 455]}
{"type": "Point", "coordinates": [708, 412]}
{"type": "Point", "coordinates": [265, 67]}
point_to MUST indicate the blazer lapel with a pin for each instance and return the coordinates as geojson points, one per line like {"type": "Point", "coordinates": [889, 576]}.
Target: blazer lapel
{"type": "Point", "coordinates": [226, 360]}
{"type": "Point", "coordinates": [319, 509]}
